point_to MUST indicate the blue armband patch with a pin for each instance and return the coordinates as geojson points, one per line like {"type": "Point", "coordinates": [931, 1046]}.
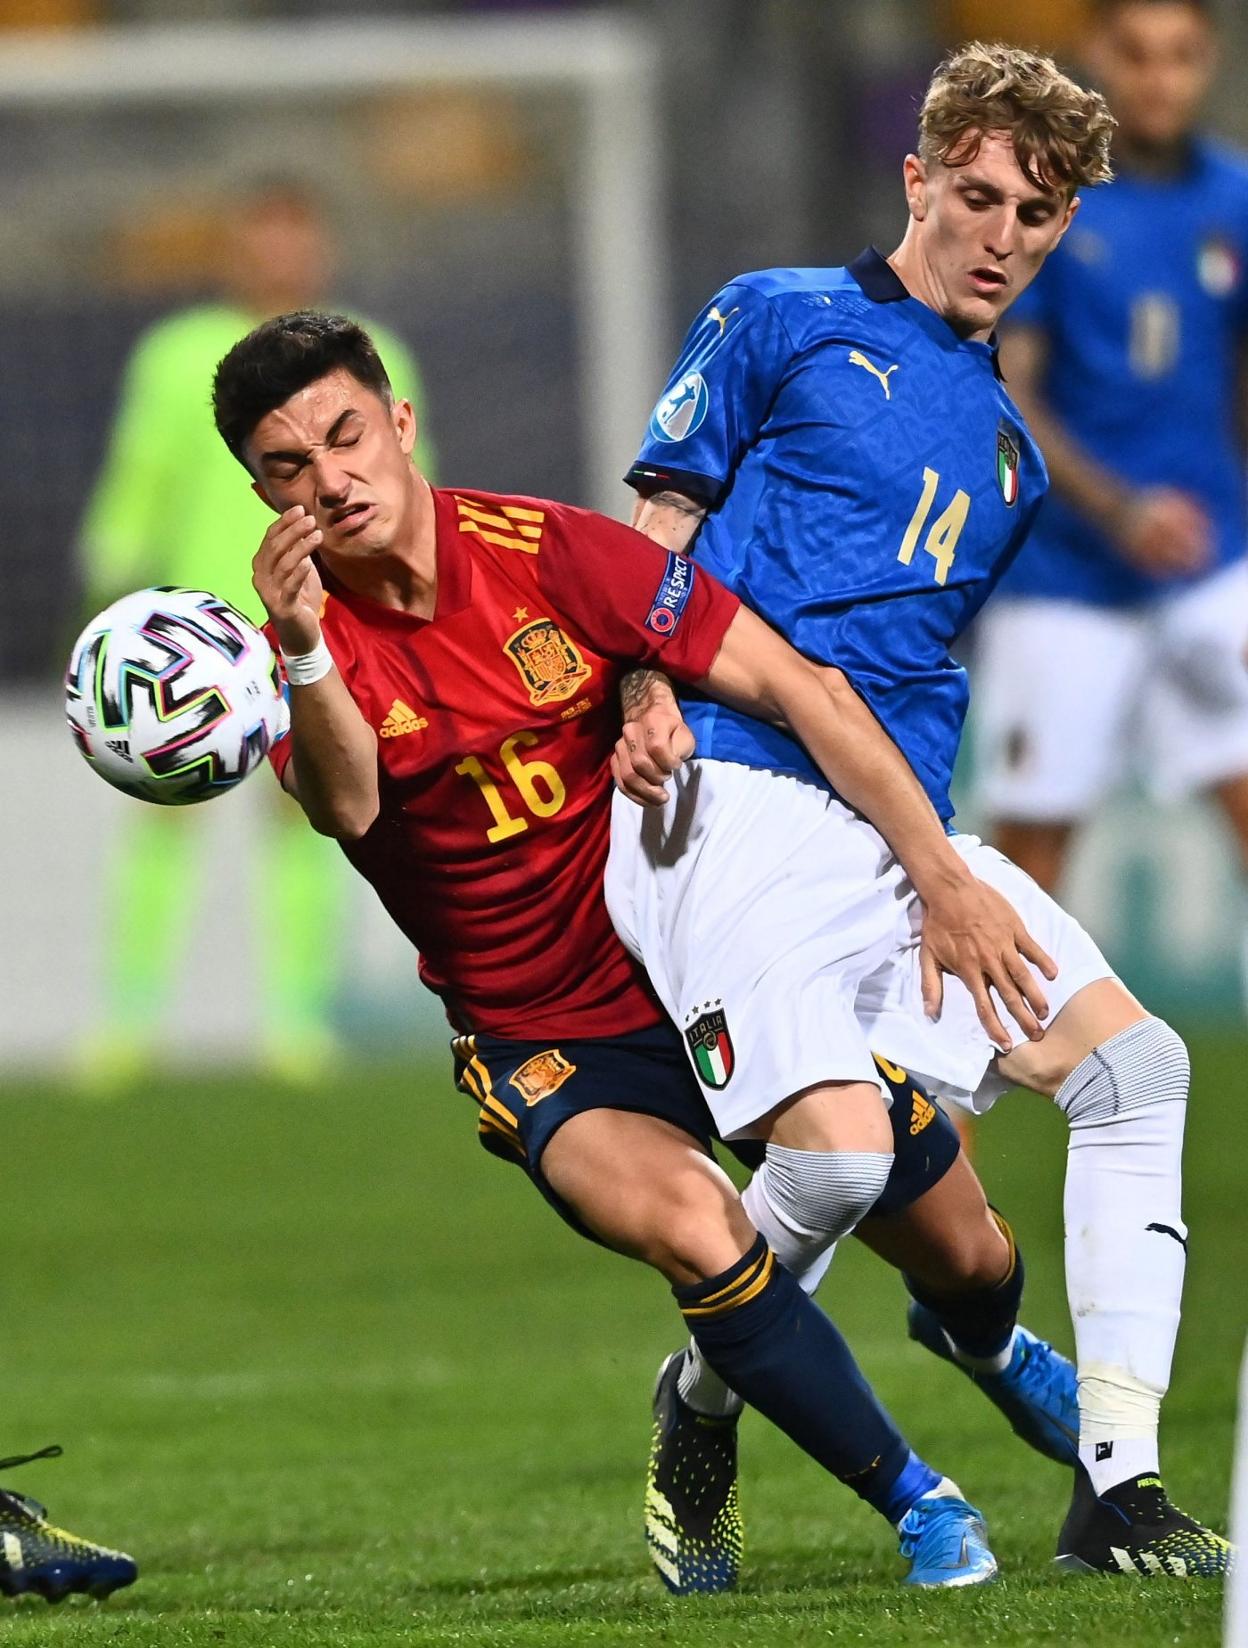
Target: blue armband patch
{"type": "Point", "coordinates": [682, 410]}
{"type": "Point", "coordinates": [672, 594]}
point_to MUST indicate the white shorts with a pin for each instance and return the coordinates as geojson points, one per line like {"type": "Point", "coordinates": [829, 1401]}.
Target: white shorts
{"type": "Point", "coordinates": [1069, 699]}
{"type": "Point", "coordinates": [778, 929]}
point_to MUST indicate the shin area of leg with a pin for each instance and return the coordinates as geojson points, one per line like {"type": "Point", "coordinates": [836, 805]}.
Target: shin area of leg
{"type": "Point", "coordinates": [1126, 1243]}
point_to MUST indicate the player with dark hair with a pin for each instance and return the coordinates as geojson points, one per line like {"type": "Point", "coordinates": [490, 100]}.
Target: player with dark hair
{"type": "Point", "coordinates": [166, 508]}
{"type": "Point", "coordinates": [860, 476]}
{"type": "Point", "coordinates": [39, 1559]}
{"type": "Point", "coordinates": [453, 660]}
{"type": "Point", "coordinates": [1118, 636]}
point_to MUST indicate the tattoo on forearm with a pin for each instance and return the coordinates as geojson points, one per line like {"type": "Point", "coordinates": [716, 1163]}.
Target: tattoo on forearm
{"type": "Point", "coordinates": [635, 689]}
{"type": "Point", "coordinates": [679, 502]}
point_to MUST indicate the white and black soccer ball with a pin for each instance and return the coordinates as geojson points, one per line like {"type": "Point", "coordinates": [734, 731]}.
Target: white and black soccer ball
{"type": "Point", "coordinates": [173, 695]}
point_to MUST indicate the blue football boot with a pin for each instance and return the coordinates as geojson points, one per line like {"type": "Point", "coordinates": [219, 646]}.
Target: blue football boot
{"type": "Point", "coordinates": [946, 1543]}
{"type": "Point", "coordinates": [35, 1556]}
{"type": "Point", "coordinates": [1037, 1392]}
{"type": "Point", "coordinates": [692, 1519]}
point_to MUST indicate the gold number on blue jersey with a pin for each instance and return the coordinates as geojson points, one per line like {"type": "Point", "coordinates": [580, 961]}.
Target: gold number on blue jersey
{"type": "Point", "coordinates": [530, 779]}
{"type": "Point", "coordinates": [942, 538]}
{"type": "Point", "coordinates": [1155, 326]}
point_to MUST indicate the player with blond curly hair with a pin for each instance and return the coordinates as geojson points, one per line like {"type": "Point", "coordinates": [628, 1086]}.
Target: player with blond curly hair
{"type": "Point", "coordinates": [842, 444]}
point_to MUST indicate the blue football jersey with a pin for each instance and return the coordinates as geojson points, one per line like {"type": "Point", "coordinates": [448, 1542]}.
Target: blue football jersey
{"type": "Point", "coordinates": [869, 480]}
{"type": "Point", "coordinates": [1144, 304]}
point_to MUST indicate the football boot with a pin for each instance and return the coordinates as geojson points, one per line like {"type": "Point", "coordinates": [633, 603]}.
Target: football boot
{"type": "Point", "coordinates": [692, 1520]}
{"type": "Point", "coordinates": [1134, 1529]}
{"type": "Point", "coordinates": [37, 1556]}
{"type": "Point", "coordinates": [1037, 1392]}
{"type": "Point", "coordinates": [946, 1543]}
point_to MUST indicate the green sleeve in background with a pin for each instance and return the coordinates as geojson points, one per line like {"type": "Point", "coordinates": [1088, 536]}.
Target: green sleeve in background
{"type": "Point", "coordinates": [406, 382]}
{"type": "Point", "coordinates": [120, 537]}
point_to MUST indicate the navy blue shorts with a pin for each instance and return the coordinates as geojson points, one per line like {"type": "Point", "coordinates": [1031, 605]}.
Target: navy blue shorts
{"type": "Point", "coordinates": [526, 1090]}
{"type": "Point", "coordinates": [925, 1143]}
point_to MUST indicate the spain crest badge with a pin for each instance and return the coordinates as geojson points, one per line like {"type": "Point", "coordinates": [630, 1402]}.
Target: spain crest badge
{"type": "Point", "coordinates": [550, 665]}
{"type": "Point", "coordinates": [542, 1075]}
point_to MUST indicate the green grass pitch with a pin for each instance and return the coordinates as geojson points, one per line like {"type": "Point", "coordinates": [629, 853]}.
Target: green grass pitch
{"type": "Point", "coordinates": [335, 1376]}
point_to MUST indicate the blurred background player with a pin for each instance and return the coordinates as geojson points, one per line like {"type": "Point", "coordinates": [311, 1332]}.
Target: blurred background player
{"type": "Point", "coordinates": [167, 509]}
{"type": "Point", "coordinates": [1120, 631]}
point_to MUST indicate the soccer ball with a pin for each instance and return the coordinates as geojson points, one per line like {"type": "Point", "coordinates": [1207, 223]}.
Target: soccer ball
{"type": "Point", "coordinates": [173, 696]}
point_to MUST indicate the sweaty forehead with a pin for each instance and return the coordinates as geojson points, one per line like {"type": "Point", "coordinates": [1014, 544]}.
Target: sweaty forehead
{"type": "Point", "coordinates": [314, 409]}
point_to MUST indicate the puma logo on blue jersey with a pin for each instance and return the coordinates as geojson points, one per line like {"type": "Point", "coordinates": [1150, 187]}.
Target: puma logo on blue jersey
{"type": "Point", "coordinates": [857, 358]}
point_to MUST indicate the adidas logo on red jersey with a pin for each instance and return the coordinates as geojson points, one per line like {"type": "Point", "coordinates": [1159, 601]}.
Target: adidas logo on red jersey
{"type": "Point", "coordinates": [401, 719]}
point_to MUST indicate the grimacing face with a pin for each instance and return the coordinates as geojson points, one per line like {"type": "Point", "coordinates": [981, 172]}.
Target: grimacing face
{"type": "Point", "coordinates": [339, 450]}
{"type": "Point", "coordinates": [1155, 63]}
{"type": "Point", "coordinates": [983, 229]}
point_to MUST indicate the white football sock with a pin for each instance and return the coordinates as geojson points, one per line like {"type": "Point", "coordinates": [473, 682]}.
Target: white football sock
{"type": "Point", "coordinates": [701, 1388]}
{"type": "Point", "coordinates": [983, 1364]}
{"type": "Point", "coordinates": [809, 1198]}
{"type": "Point", "coordinates": [1125, 1241]}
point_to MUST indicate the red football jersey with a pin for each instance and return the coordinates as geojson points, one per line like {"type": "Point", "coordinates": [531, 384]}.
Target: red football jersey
{"type": "Point", "coordinates": [495, 723]}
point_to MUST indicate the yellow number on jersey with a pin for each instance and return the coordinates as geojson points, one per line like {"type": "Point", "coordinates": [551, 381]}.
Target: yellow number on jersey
{"type": "Point", "coordinates": [942, 539]}
{"type": "Point", "coordinates": [531, 778]}
{"type": "Point", "coordinates": [1154, 340]}
{"type": "Point", "coordinates": [528, 775]}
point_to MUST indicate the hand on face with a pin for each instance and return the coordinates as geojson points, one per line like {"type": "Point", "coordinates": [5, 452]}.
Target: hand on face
{"type": "Point", "coordinates": [343, 454]}
{"type": "Point", "coordinates": [286, 579]}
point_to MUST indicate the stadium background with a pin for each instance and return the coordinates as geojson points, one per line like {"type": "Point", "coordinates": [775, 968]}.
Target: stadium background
{"type": "Point", "coordinates": [538, 228]}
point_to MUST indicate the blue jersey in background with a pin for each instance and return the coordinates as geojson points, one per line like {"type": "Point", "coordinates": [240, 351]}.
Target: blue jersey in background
{"type": "Point", "coordinates": [1143, 305]}
{"type": "Point", "coordinates": [868, 479]}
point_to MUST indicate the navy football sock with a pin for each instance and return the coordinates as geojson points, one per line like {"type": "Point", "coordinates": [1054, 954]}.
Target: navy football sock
{"type": "Point", "coordinates": [783, 1356]}
{"type": "Point", "coordinates": [980, 1322]}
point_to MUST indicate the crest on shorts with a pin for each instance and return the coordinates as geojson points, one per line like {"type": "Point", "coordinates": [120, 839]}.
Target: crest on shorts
{"type": "Point", "coordinates": [1218, 266]}
{"type": "Point", "coordinates": [711, 1046]}
{"type": "Point", "coordinates": [550, 665]}
{"type": "Point", "coordinates": [1008, 455]}
{"type": "Point", "coordinates": [542, 1075]}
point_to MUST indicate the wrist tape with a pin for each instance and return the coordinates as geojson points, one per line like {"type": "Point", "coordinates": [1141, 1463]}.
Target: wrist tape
{"type": "Point", "coordinates": [306, 667]}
